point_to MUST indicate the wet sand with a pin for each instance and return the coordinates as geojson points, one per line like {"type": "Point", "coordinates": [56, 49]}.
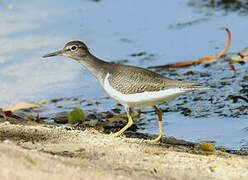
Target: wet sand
{"type": "Point", "coordinates": [29, 150]}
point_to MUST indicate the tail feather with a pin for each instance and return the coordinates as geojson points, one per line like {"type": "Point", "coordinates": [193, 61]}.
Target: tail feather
{"type": "Point", "coordinates": [191, 86]}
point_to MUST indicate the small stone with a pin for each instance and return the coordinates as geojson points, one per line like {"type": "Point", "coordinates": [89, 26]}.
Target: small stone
{"type": "Point", "coordinates": [207, 147]}
{"type": "Point", "coordinates": [76, 116]}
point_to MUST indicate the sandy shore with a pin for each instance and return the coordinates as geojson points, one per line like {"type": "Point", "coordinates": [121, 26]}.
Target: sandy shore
{"type": "Point", "coordinates": [29, 150]}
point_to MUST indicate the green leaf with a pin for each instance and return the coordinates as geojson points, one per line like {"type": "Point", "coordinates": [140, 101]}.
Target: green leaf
{"type": "Point", "coordinates": [76, 116]}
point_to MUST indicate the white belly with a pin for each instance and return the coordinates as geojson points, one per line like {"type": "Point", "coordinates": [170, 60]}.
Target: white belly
{"type": "Point", "coordinates": [143, 99]}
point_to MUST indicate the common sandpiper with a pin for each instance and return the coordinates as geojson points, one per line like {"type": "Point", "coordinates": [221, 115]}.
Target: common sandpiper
{"type": "Point", "coordinates": [130, 86]}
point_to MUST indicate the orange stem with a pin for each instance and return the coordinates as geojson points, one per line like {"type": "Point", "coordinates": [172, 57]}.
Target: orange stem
{"type": "Point", "coordinates": [199, 61]}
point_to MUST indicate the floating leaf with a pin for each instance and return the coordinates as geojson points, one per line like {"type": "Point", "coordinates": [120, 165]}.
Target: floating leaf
{"type": "Point", "coordinates": [208, 147]}
{"type": "Point", "coordinates": [76, 116]}
{"type": "Point", "coordinates": [242, 57]}
{"type": "Point", "coordinates": [23, 105]}
{"type": "Point", "coordinates": [10, 114]}
{"type": "Point", "coordinates": [199, 61]}
{"type": "Point", "coordinates": [43, 102]}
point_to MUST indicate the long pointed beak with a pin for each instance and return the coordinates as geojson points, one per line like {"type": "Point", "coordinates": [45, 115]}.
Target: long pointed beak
{"type": "Point", "coordinates": [57, 53]}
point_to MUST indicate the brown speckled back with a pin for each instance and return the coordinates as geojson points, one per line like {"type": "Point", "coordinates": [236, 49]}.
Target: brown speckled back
{"type": "Point", "coordinates": [131, 80]}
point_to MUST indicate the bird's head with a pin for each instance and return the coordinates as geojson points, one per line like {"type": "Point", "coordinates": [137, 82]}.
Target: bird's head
{"type": "Point", "coordinates": [74, 49]}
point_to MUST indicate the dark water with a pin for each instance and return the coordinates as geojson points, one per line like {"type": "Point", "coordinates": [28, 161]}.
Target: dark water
{"type": "Point", "coordinates": [166, 31]}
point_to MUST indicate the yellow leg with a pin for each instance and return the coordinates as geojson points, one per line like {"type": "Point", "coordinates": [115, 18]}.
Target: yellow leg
{"type": "Point", "coordinates": [160, 135]}
{"type": "Point", "coordinates": [129, 124]}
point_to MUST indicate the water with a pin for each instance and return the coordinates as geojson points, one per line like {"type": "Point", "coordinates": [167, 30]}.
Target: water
{"type": "Point", "coordinates": [167, 31]}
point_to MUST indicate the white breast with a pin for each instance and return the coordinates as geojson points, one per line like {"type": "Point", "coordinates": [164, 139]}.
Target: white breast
{"type": "Point", "coordinates": [143, 99]}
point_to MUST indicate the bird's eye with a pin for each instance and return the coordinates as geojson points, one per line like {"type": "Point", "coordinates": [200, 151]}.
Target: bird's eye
{"type": "Point", "coordinates": [73, 48]}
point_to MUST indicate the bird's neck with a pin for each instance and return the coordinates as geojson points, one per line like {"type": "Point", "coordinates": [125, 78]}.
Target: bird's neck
{"type": "Point", "coordinates": [94, 65]}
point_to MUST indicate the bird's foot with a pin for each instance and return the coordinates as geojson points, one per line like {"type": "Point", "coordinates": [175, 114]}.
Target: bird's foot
{"type": "Point", "coordinates": [117, 134]}
{"type": "Point", "coordinates": [159, 138]}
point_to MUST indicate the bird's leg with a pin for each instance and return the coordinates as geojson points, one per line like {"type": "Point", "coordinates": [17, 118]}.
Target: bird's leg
{"type": "Point", "coordinates": [159, 112]}
{"type": "Point", "coordinates": [129, 124]}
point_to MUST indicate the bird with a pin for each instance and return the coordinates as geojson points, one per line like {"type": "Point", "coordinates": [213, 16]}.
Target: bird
{"type": "Point", "coordinates": [130, 86]}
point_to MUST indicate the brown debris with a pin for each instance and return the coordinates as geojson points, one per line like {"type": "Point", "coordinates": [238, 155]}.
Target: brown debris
{"type": "Point", "coordinates": [199, 61]}
{"type": "Point", "coordinates": [2, 113]}
{"type": "Point", "coordinates": [242, 57]}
